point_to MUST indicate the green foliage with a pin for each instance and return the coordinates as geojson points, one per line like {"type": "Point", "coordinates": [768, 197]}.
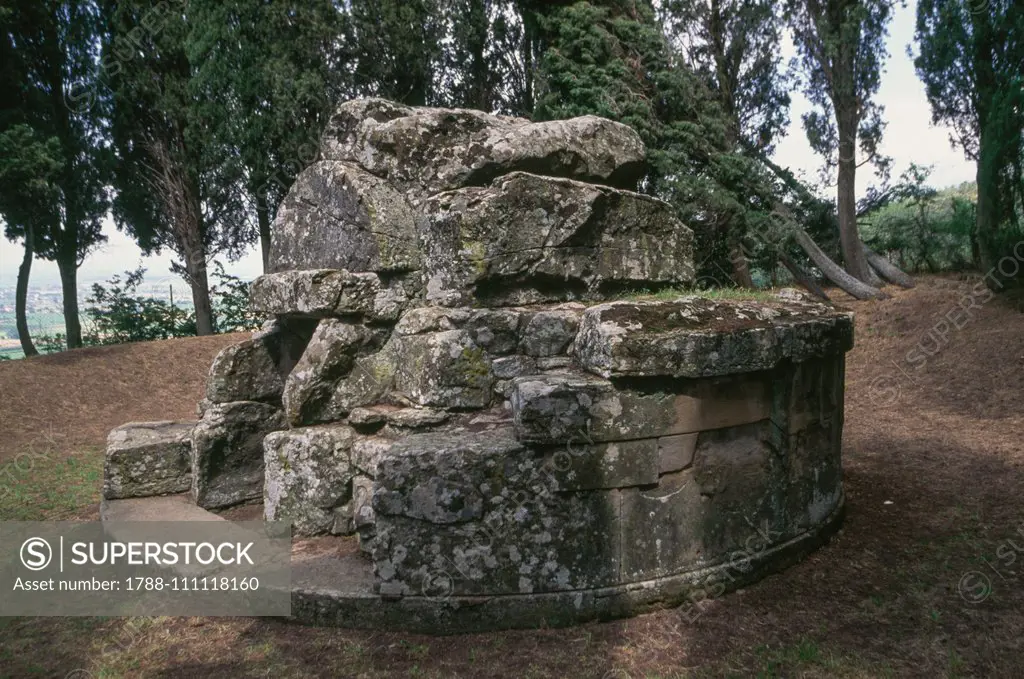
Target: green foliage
{"type": "Point", "coordinates": [970, 62]}
{"type": "Point", "coordinates": [613, 59]}
{"type": "Point", "coordinates": [733, 45]}
{"type": "Point", "coordinates": [926, 230]}
{"type": "Point", "coordinates": [119, 314]}
{"type": "Point", "coordinates": [841, 46]}
{"type": "Point", "coordinates": [232, 312]}
{"type": "Point", "coordinates": [263, 86]}
{"type": "Point", "coordinates": [54, 160]}
{"type": "Point", "coordinates": [394, 48]}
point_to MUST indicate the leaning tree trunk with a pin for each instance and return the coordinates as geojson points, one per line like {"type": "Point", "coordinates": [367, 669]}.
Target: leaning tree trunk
{"type": "Point", "coordinates": [887, 270]}
{"type": "Point", "coordinates": [21, 296]}
{"type": "Point", "coordinates": [69, 291]}
{"type": "Point", "coordinates": [836, 273]}
{"type": "Point", "coordinates": [802, 277]}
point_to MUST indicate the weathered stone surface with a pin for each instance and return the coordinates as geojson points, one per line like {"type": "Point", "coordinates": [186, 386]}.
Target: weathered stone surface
{"type": "Point", "coordinates": [444, 369]}
{"type": "Point", "coordinates": [424, 151]}
{"type": "Point", "coordinates": [402, 418]}
{"type": "Point", "coordinates": [743, 481]}
{"type": "Point", "coordinates": [594, 466]}
{"type": "Point", "coordinates": [646, 448]}
{"type": "Point", "coordinates": [661, 527]}
{"type": "Point", "coordinates": [337, 216]}
{"type": "Point", "coordinates": [816, 397]}
{"type": "Point", "coordinates": [321, 293]}
{"type": "Point", "coordinates": [527, 239]}
{"type": "Point", "coordinates": [431, 319]}
{"type": "Point", "coordinates": [815, 476]}
{"type": "Point", "coordinates": [330, 356]}
{"type": "Point", "coordinates": [675, 453]}
{"type": "Point", "coordinates": [549, 333]}
{"type": "Point", "coordinates": [351, 122]}
{"type": "Point", "coordinates": [696, 337]}
{"type": "Point", "coordinates": [496, 330]}
{"type": "Point", "coordinates": [480, 511]}
{"type": "Point", "coordinates": [227, 452]}
{"type": "Point", "coordinates": [148, 458]}
{"type": "Point", "coordinates": [308, 478]}
{"type": "Point", "coordinates": [255, 369]}
{"type": "Point", "coordinates": [247, 371]}
{"type": "Point", "coordinates": [507, 367]}
{"type": "Point", "coordinates": [558, 408]}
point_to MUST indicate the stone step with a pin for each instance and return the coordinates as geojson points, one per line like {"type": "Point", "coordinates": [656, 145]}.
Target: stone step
{"type": "Point", "coordinates": [157, 508]}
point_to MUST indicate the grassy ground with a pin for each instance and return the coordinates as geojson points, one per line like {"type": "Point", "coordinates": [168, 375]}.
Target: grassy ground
{"type": "Point", "coordinates": [923, 580]}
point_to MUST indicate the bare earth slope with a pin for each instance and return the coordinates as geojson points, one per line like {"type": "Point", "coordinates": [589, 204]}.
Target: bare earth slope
{"type": "Point", "coordinates": [924, 580]}
{"type": "Point", "coordinates": [77, 397]}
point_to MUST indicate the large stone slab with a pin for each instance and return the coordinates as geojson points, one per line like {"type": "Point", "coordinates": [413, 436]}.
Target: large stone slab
{"type": "Point", "coordinates": [247, 371]}
{"type": "Point", "coordinates": [309, 391]}
{"type": "Point", "coordinates": [424, 151]}
{"type": "Point", "coordinates": [698, 337]}
{"type": "Point", "coordinates": [227, 452]}
{"type": "Point", "coordinates": [322, 293]}
{"type": "Point", "coordinates": [309, 479]}
{"type": "Point", "coordinates": [148, 458]}
{"type": "Point", "coordinates": [722, 509]}
{"type": "Point", "coordinates": [479, 513]}
{"type": "Point", "coordinates": [337, 216]}
{"type": "Point", "coordinates": [561, 408]}
{"type": "Point", "coordinates": [527, 239]}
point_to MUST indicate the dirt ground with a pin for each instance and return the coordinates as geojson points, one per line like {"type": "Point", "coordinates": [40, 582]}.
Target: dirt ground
{"type": "Point", "coordinates": [924, 580]}
{"type": "Point", "coordinates": [75, 398]}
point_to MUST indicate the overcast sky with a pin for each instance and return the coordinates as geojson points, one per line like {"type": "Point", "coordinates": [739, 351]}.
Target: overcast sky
{"type": "Point", "coordinates": [909, 137]}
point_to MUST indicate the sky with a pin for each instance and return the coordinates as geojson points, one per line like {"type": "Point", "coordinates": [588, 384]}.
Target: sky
{"type": "Point", "coordinates": [909, 137]}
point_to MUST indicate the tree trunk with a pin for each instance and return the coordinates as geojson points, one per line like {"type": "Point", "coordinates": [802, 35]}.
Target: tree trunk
{"type": "Point", "coordinates": [986, 220]}
{"type": "Point", "coordinates": [802, 277]}
{"type": "Point", "coordinates": [987, 212]}
{"type": "Point", "coordinates": [69, 291]}
{"type": "Point", "coordinates": [195, 269]}
{"type": "Point", "coordinates": [740, 265]}
{"type": "Point", "coordinates": [846, 204]}
{"type": "Point", "coordinates": [21, 296]}
{"type": "Point", "coordinates": [887, 270]}
{"type": "Point", "coordinates": [263, 221]}
{"type": "Point", "coordinates": [834, 272]}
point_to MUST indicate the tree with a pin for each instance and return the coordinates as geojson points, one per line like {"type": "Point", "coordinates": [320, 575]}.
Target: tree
{"type": "Point", "coordinates": [264, 86]}
{"type": "Point", "coordinates": [170, 190]}
{"type": "Point", "coordinates": [394, 49]}
{"type": "Point", "coordinates": [29, 168]}
{"type": "Point", "coordinates": [613, 59]}
{"type": "Point", "coordinates": [841, 44]}
{"type": "Point", "coordinates": [53, 127]}
{"type": "Point", "coordinates": [733, 46]}
{"type": "Point", "coordinates": [971, 59]}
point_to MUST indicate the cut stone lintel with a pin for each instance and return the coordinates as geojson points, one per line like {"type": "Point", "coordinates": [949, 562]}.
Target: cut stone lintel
{"type": "Point", "coordinates": [570, 408]}
{"type": "Point", "coordinates": [696, 337]}
{"type": "Point", "coordinates": [325, 293]}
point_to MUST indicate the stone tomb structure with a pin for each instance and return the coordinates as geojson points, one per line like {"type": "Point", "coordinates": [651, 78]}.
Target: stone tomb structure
{"type": "Point", "coordinates": [465, 369]}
